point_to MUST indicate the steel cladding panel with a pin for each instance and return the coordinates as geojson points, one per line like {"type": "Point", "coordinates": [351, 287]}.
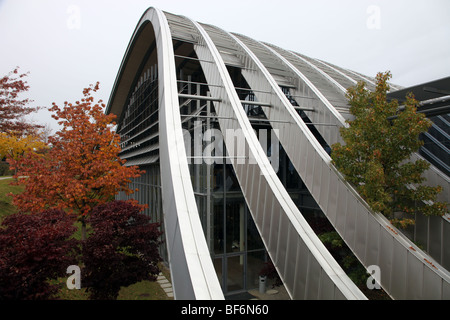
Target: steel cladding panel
{"type": "Point", "coordinates": [373, 241]}
{"type": "Point", "coordinates": [341, 212]}
{"type": "Point", "coordinates": [414, 289]}
{"type": "Point", "coordinates": [274, 228]}
{"type": "Point", "coordinates": [301, 157]}
{"type": "Point", "coordinates": [291, 255]}
{"type": "Point", "coordinates": [264, 205]}
{"type": "Point", "coordinates": [399, 270]}
{"type": "Point", "coordinates": [324, 185]}
{"type": "Point", "coordinates": [385, 260]}
{"type": "Point", "coordinates": [268, 214]}
{"type": "Point", "coordinates": [435, 237]}
{"type": "Point", "coordinates": [446, 291]}
{"type": "Point", "coordinates": [446, 241]}
{"type": "Point", "coordinates": [331, 206]}
{"type": "Point", "coordinates": [317, 175]}
{"type": "Point", "coordinates": [301, 274]}
{"type": "Point", "coordinates": [432, 285]}
{"type": "Point", "coordinates": [282, 238]}
{"type": "Point", "coordinates": [313, 282]}
{"type": "Point", "coordinates": [350, 224]}
{"type": "Point", "coordinates": [310, 162]}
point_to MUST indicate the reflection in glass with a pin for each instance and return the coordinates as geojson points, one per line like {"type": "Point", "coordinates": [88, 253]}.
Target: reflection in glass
{"type": "Point", "coordinates": [218, 229]}
{"type": "Point", "coordinates": [218, 267]}
{"type": "Point", "coordinates": [231, 183]}
{"type": "Point", "coordinates": [235, 225]}
{"type": "Point", "coordinates": [253, 238]}
{"type": "Point", "coordinates": [235, 272]}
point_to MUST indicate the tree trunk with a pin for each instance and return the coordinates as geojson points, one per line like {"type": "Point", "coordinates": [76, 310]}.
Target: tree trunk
{"type": "Point", "coordinates": [83, 229]}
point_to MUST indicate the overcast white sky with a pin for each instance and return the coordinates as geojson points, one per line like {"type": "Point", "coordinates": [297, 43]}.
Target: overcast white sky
{"type": "Point", "coordinates": [68, 44]}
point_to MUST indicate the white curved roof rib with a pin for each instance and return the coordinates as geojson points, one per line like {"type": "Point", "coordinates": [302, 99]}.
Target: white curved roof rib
{"type": "Point", "coordinates": [192, 272]}
{"type": "Point", "coordinates": [306, 267]}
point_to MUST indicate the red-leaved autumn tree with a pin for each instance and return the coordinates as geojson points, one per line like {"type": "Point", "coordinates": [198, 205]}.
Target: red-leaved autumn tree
{"type": "Point", "coordinates": [13, 109]}
{"type": "Point", "coordinates": [82, 168]}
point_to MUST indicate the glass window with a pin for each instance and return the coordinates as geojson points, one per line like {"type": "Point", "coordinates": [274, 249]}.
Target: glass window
{"type": "Point", "coordinates": [218, 178]}
{"type": "Point", "coordinates": [235, 224]}
{"type": "Point", "coordinates": [235, 273]}
{"type": "Point", "coordinates": [202, 210]}
{"type": "Point", "coordinates": [253, 238]}
{"type": "Point", "coordinates": [218, 267]}
{"type": "Point", "coordinates": [231, 183]}
{"type": "Point", "coordinates": [255, 263]}
{"type": "Point", "coordinates": [218, 223]}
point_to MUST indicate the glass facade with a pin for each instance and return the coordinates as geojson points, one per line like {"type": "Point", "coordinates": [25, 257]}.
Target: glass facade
{"type": "Point", "coordinates": [238, 251]}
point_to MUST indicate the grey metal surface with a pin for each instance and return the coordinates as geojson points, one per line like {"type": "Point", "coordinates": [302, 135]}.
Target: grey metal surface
{"type": "Point", "coordinates": [192, 271]}
{"type": "Point", "coordinates": [308, 270]}
{"type": "Point", "coordinates": [369, 234]}
{"type": "Point", "coordinates": [314, 91]}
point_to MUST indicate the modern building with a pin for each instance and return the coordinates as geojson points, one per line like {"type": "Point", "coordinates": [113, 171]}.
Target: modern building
{"type": "Point", "coordinates": [234, 136]}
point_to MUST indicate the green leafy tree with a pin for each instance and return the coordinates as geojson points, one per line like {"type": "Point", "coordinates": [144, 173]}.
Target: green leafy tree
{"type": "Point", "coordinates": [376, 153]}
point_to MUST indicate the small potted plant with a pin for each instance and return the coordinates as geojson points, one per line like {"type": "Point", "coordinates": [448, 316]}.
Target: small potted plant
{"type": "Point", "coordinates": [268, 271]}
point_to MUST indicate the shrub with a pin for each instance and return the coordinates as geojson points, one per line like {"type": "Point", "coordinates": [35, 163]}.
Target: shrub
{"type": "Point", "coordinates": [121, 250]}
{"type": "Point", "coordinates": [33, 249]}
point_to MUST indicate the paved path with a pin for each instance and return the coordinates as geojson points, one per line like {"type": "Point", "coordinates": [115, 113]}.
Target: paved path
{"type": "Point", "coordinates": [165, 284]}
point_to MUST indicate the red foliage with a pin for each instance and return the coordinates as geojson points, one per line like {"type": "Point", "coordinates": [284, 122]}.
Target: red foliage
{"type": "Point", "coordinates": [12, 108]}
{"type": "Point", "coordinates": [82, 169]}
{"type": "Point", "coordinates": [121, 250]}
{"type": "Point", "coordinates": [33, 249]}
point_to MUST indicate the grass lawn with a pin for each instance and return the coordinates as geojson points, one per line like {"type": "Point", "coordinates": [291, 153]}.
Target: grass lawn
{"type": "Point", "coordinates": [6, 208]}
{"type": "Point", "coordinates": [144, 290]}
